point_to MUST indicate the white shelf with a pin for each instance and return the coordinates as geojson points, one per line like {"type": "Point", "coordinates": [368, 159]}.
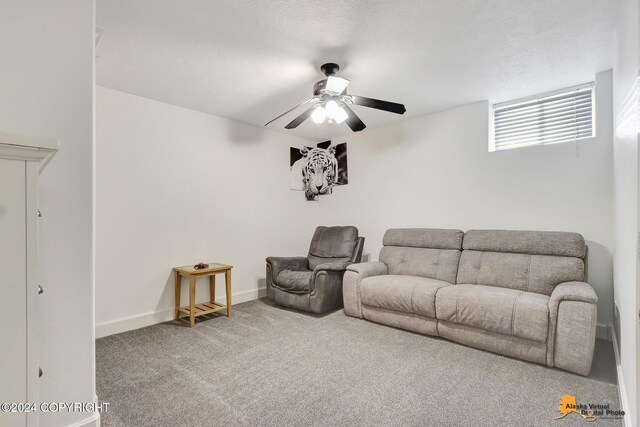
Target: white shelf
{"type": "Point", "coordinates": [27, 148]}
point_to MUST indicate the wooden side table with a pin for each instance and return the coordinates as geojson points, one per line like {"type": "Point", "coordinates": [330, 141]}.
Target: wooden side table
{"type": "Point", "coordinates": [194, 310]}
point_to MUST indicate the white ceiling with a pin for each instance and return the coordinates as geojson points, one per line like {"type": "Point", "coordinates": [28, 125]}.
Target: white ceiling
{"type": "Point", "coordinates": [251, 60]}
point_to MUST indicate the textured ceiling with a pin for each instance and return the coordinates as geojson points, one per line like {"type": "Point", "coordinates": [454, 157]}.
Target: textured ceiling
{"type": "Point", "coordinates": [251, 60]}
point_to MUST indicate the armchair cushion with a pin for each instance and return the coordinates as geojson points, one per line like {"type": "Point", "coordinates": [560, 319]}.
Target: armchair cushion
{"type": "Point", "coordinates": [330, 244]}
{"type": "Point", "coordinates": [296, 281]}
{"type": "Point", "coordinates": [302, 281]}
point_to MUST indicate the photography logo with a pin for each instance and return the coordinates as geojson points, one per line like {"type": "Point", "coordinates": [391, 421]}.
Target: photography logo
{"type": "Point", "coordinates": [589, 412]}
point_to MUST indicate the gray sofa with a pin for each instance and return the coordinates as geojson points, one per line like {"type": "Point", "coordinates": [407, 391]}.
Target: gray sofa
{"type": "Point", "coordinates": [518, 293]}
{"type": "Point", "coordinates": [314, 283]}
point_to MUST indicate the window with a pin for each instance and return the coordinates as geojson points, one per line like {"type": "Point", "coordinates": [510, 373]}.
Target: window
{"type": "Point", "coordinates": [549, 118]}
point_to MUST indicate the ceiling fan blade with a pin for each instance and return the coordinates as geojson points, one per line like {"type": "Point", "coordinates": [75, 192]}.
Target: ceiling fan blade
{"type": "Point", "coordinates": [288, 111]}
{"type": "Point", "coordinates": [353, 121]}
{"type": "Point", "coordinates": [298, 120]}
{"type": "Point", "coordinates": [378, 104]}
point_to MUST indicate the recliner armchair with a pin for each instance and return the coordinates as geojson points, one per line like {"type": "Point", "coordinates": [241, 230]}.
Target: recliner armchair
{"type": "Point", "coordinates": [314, 283]}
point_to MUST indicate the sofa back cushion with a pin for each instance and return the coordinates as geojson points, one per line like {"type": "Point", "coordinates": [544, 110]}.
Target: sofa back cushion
{"type": "Point", "coordinates": [332, 244]}
{"type": "Point", "coordinates": [532, 261]}
{"type": "Point", "coordinates": [424, 252]}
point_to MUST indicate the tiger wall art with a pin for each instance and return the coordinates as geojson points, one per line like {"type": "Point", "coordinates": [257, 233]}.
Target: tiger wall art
{"type": "Point", "coordinates": [317, 170]}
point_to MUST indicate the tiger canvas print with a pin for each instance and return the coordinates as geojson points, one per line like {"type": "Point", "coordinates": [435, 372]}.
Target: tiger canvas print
{"type": "Point", "coordinates": [317, 170]}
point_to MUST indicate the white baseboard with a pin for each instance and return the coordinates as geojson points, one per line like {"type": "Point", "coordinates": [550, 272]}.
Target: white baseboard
{"type": "Point", "coordinates": [603, 331]}
{"type": "Point", "coordinates": [92, 421]}
{"type": "Point", "coordinates": [151, 318]}
{"type": "Point", "coordinates": [622, 392]}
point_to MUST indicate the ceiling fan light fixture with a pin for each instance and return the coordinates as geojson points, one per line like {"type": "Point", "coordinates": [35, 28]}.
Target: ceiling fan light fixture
{"type": "Point", "coordinates": [335, 112]}
{"type": "Point", "coordinates": [340, 115]}
{"type": "Point", "coordinates": [332, 108]}
{"type": "Point", "coordinates": [318, 115]}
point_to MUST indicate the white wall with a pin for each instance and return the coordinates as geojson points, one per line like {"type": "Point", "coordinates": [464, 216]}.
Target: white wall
{"type": "Point", "coordinates": [435, 171]}
{"type": "Point", "coordinates": [625, 113]}
{"type": "Point", "coordinates": [155, 159]}
{"type": "Point", "coordinates": [46, 89]}
{"type": "Point", "coordinates": [174, 187]}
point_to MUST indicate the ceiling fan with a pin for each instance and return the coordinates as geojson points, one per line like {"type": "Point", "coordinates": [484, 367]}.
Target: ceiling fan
{"type": "Point", "coordinates": [331, 102]}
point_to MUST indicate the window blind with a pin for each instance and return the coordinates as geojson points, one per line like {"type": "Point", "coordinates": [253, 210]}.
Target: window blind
{"type": "Point", "coordinates": [550, 118]}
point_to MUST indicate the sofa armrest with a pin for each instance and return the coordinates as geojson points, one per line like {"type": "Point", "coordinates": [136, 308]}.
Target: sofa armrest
{"type": "Point", "coordinates": [572, 291]}
{"type": "Point", "coordinates": [573, 315]}
{"type": "Point", "coordinates": [367, 269]}
{"type": "Point", "coordinates": [351, 284]}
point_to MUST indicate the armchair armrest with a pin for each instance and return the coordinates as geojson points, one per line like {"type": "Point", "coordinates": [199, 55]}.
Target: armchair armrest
{"type": "Point", "coordinates": [287, 263]}
{"type": "Point", "coordinates": [331, 266]}
{"type": "Point", "coordinates": [366, 269]}
{"type": "Point", "coordinates": [326, 286]}
{"type": "Point", "coordinates": [573, 313]}
{"type": "Point", "coordinates": [328, 274]}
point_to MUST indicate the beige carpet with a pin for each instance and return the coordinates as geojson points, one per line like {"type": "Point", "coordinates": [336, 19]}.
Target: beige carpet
{"type": "Point", "coordinates": [268, 366]}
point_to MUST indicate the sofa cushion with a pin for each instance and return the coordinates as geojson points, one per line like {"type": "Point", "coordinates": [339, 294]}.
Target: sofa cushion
{"type": "Point", "coordinates": [294, 281]}
{"type": "Point", "coordinates": [408, 294]}
{"type": "Point", "coordinates": [439, 264]}
{"type": "Point", "coordinates": [501, 310]}
{"type": "Point", "coordinates": [332, 244]}
{"type": "Point", "coordinates": [530, 273]}
{"type": "Point", "coordinates": [526, 242]}
{"type": "Point", "coordinates": [435, 238]}
{"type": "Point", "coordinates": [426, 252]}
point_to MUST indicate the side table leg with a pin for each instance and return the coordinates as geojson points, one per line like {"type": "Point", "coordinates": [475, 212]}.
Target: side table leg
{"type": "Point", "coordinates": [177, 314]}
{"type": "Point", "coordinates": [227, 282]}
{"type": "Point", "coordinates": [192, 300]}
{"type": "Point", "coordinates": [212, 288]}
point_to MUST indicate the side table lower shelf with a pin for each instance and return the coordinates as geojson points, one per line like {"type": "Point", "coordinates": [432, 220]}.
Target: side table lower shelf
{"type": "Point", "coordinates": [202, 309]}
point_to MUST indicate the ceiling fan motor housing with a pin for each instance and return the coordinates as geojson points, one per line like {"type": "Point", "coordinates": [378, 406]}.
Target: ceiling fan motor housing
{"type": "Point", "coordinates": [330, 68]}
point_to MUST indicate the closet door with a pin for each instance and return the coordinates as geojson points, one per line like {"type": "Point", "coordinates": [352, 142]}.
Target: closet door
{"type": "Point", "coordinates": [13, 288]}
